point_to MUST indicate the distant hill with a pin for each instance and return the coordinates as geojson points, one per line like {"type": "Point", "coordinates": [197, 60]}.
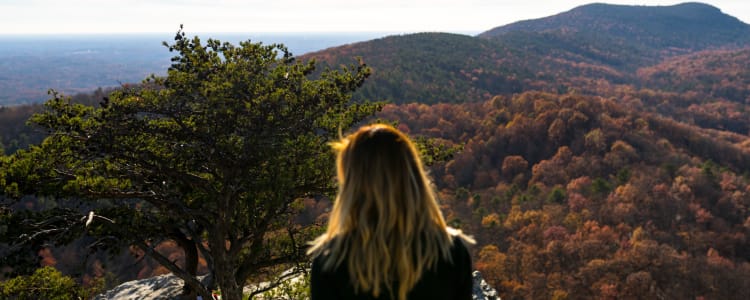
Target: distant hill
{"type": "Point", "coordinates": [576, 50]}
{"type": "Point", "coordinates": [667, 29]}
{"type": "Point", "coordinates": [450, 68]}
{"type": "Point", "coordinates": [724, 74]}
{"type": "Point", "coordinates": [431, 67]}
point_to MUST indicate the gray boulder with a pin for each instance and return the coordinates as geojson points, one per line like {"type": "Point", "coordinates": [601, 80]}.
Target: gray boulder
{"type": "Point", "coordinates": [165, 286]}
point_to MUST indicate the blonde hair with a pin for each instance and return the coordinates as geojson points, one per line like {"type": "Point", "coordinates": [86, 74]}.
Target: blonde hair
{"type": "Point", "coordinates": [386, 218]}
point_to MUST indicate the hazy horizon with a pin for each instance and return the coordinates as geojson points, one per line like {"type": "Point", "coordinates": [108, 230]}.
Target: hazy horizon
{"type": "Point", "coordinates": [290, 16]}
{"type": "Point", "coordinates": [298, 43]}
{"type": "Point", "coordinates": [75, 63]}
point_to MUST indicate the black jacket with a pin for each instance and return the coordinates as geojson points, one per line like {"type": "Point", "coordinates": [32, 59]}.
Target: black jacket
{"type": "Point", "coordinates": [449, 281]}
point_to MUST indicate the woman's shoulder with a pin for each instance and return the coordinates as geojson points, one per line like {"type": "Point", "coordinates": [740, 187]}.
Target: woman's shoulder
{"type": "Point", "coordinates": [324, 258]}
{"type": "Point", "coordinates": [459, 248]}
{"type": "Point", "coordinates": [459, 237]}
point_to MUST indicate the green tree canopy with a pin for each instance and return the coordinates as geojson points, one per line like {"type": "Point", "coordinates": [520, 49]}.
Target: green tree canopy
{"type": "Point", "coordinates": [45, 283]}
{"type": "Point", "coordinates": [211, 156]}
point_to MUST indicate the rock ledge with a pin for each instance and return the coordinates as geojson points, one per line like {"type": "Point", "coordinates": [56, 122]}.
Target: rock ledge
{"type": "Point", "coordinates": [168, 286]}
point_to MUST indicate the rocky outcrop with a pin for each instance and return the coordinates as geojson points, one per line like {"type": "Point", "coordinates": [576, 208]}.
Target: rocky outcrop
{"type": "Point", "coordinates": [482, 290]}
{"type": "Point", "coordinates": [165, 286]}
{"type": "Point", "coordinates": [169, 286]}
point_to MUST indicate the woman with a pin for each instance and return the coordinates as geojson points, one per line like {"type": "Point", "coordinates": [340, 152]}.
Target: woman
{"type": "Point", "coordinates": [386, 236]}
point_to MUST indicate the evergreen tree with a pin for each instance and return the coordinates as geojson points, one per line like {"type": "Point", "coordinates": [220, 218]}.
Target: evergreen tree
{"type": "Point", "coordinates": [211, 156]}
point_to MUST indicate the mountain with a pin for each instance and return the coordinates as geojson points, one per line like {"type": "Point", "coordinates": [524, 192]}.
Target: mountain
{"type": "Point", "coordinates": [582, 49]}
{"type": "Point", "coordinates": [669, 29]}
{"type": "Point", "coordinates": [449, 68]}
{"type": "Point", "coordinates": [431, 67]}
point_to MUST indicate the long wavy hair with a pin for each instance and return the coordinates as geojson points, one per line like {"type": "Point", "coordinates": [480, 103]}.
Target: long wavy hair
{"type": "Point", "coordinates": [386, 219]}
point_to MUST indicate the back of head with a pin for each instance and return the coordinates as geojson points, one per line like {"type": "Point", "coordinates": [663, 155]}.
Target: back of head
{"type": "Point", "coordinates": [381, 177]}
{"type": "Point", "coordinates": [385, 215]}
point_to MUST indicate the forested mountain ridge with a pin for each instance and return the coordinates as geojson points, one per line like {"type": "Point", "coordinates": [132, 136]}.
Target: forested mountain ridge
{"type": "Point", "coordinates": [573, 50]}
{"type": "Point", "coordinates": [446, 66]}
{"type": "Point", "coordinates": [450, 68]}
{"type": "Point", "coordinates": [723, 74]}
{"type": "Point", "coordinates": [681, 27]}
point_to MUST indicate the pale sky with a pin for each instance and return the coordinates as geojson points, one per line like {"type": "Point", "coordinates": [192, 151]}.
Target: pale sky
{"type": "Point", "coordinates": [139, 16]}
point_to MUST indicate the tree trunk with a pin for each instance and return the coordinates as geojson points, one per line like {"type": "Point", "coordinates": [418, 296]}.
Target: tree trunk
{"type": "Point", "coordinates": [225, 270]}
{"type": "Point", "coordinates": [230, 290]}
{"type": "Point", "coordinates": [225, 266]}
{"type": "Point", "coordinates": [191, 260]}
